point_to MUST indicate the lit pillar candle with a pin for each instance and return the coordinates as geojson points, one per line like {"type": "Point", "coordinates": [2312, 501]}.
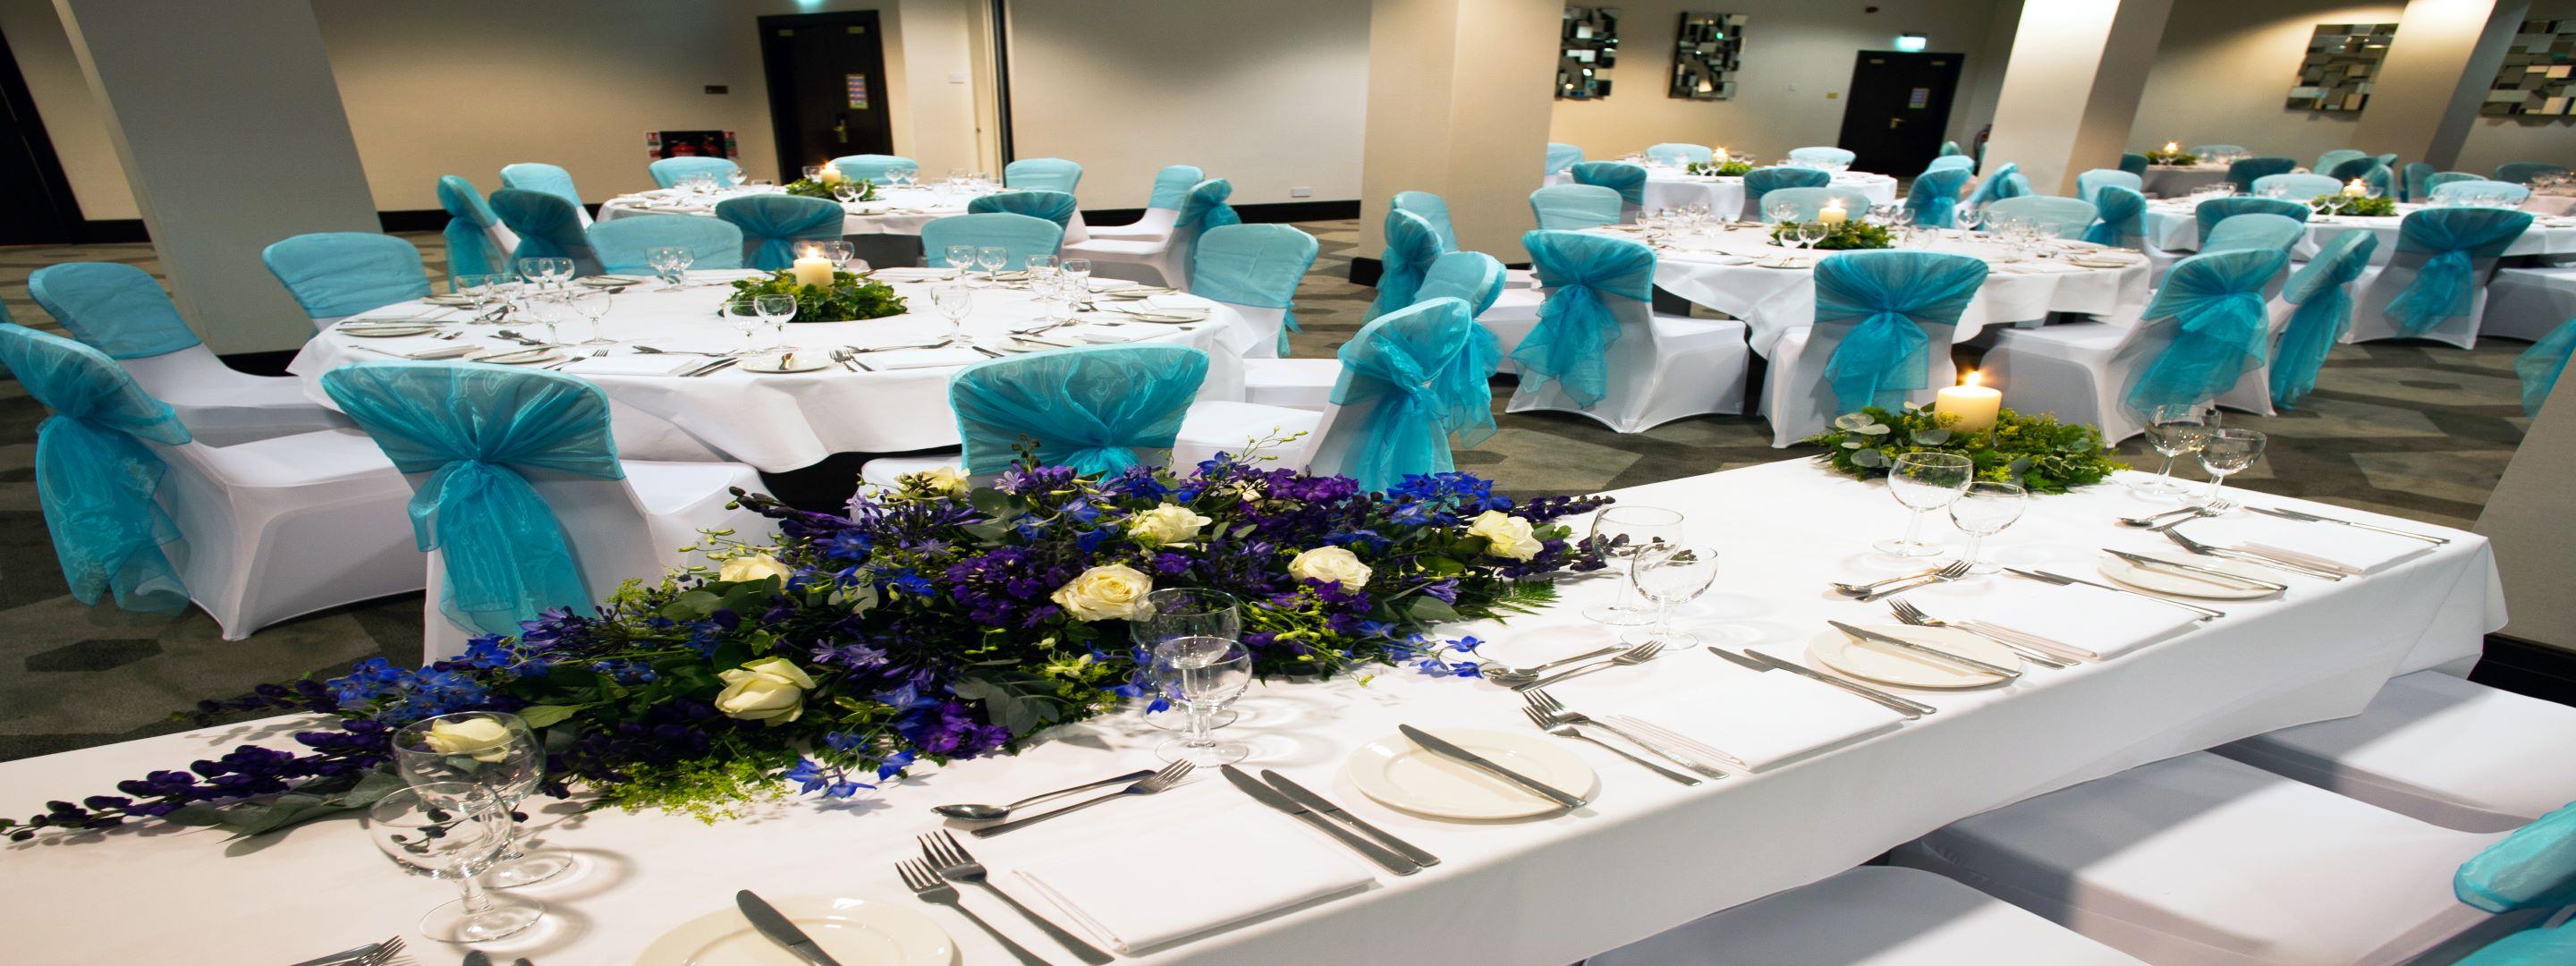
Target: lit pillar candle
{"type": "Point", "coordinates": [813, 270]}
{"type": "Point", "coordinates": [1975, 405]}
{"type": "Point", "coordinates": [2355, 188]}
{"type": "Point", "coordinates": [1721, 156]}
{"type": "Point", "coordinates": [2173, 147]}
{"type": "Point", "coordinates": [1833, 213]}
{"type": "Point", "coordinates": [829, 175]}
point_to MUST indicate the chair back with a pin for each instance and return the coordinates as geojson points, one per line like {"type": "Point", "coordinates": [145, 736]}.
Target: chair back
{"type": "Point", "coordinates": [2321, 295]}
{"type": "Point", "coordinates": [2518, 172]}
{"type": "Point", "coordinates": [2254, 230]}
{"type": "Point", "coordinates": [1433, 209]}
{"type": "Point", "coordinates": [2133, 163]}
{"type": "Point", "coordinates": [2221, 328]}
{"type": "Point", "coordinates": [2540, 366]}
{"type": "Point", "coordinates": [1677, 154]}
{"type": "Point", "coordinates": [2532, 867]}
{"type": "Point", "coordinates": [2089, 182]}
{"type": "Point", "coordinates": [1047, 203]}
{"type": "Point", "coordinates": [470, 250]}
{"type": "Point", "coordinates": [1172, 186]}
{"type": "Point", "coordinates": [115, 308]}
{"type": "Point", "coordinates": [625, 245]}
{"type": "Point", "coordinates": [1760, 182]}
{"type": "Point", "coordinates": [2497, 193]}
{"type": "Point", "coordinates": [469, 434]}
{"type": "Point", "coordinates": [1042, 174]}
{"type": "Point", "coordinates": [547, 226]}
{"type": "Point", "coordinates": [1254, 265]}
{"type": "Point", "coordinates": [773, 224]}
{"type": "Point", "coordinates": [1411, 382]}
{"type": "Point", "coordinates": [1934, 197]}
{"type": "Point", "coordinates": [1948, 161]}
{"type": "Point", "coordinates": [1412, 244]}
{"type": "Point", "coordinates": [1471, 277]}
{"type": "Point", "coordinates": [2208, 214]}
{"type": "Point", "coordinates": [2059, 217]}
{"type": "Point", "coordinates": [2005, 182]}
{"type": "Point", "coordinates": [1561, 157]}
{"type": "Point", "coordinates": [1584, 273]}
{"type": "Point", "coordinates": [2120, 217]}
{"type": "Point", "coordinates": [1020, 235]}
{"type": "Point", "coordinates": [669, 172]}
{"type": "Point", "coordinates": [1809, 201]}
{"type": "Point", "coordinates": [1097, 409]}
{"type": "Point", "coordinates": [2434, 182]}
{"type": "Point", "coordinates": [1205, 206]}
{"type": "Point", "coordinates": [2219, 149]}
{"type": "Point", "coordinates": [1821, 155]}
{"type": "Point", "coordinates": [1950, 149]}
{"type": "Point", "coordinates": [1877, 306]}
{"type": "Point", "coordinates": [1573, 207]}
{"type": "Point", "coordinates": [2417, 179]}
{"type": "Point", "coordinates": [2296, 187]}
{"type": "Point", "coordinates": [97, 473]}
{"type": "Point", "coordinates": [1627, 179]}
{"type": "Point", "coordinates": [871, 167]}
{"type": "Point", "coordinates": [2458, 246]}
{"type": "Point", "coordinates": [336, 274]}
{"type": "Point", "coordinates": [537, 176]}
{"type": "Point", "coordinates": [2326, 162]}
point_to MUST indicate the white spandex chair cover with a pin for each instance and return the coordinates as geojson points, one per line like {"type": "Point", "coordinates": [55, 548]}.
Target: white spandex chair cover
{"type": "Point", "coordinates": [2522, 303]}
{"type": "Point", "coordinates": [1869, 916]}
{"type": "Point", "coordinates": [2078, 370]}
{"type": "Point", "coordinates": [288, 525]}
{"type": "Point", "coordinates": [2436, 749]}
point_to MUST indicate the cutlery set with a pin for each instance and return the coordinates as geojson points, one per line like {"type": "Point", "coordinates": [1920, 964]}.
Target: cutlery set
{"type": "Point", "coordinates": [1277, 792]}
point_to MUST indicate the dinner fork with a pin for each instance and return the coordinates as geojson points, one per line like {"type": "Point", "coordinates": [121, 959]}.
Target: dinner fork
{"type": "Point", "coordinates": [1558, 713]}
{"type": "Point", "coordinates": [955, 864]}
{"type": "Point", "coordinates": [1639, 654]}
{"type": "Point", "coordinates": [1540, 718]}
{"type": "Point", "coordinates": [2257, 559]}
{"type": "Point", "coordinates": [926, 883]}
{"type": "Point", "coordinates": [1515, 675]}
{"type": "Point", "coordinates": [598, 353]}
{"type": "Point", "coordinates": [2186, 513]}
{"type": "Point", "coordinates": [1953, 571]}
{"type": "Point", "coordinates": [1911, 614]}
{"type": "Point", "coordinates": [370, 954]}
{"type": "Point", "coordinates": [1159, 781]}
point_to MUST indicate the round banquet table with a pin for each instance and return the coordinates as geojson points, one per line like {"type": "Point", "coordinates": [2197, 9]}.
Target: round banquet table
{"type": "Point", "coordinates": [1729, 271]}
{"type": "Point", "coordinates": [2171, 226]}
{"type": "Point", "coordinates": [780, 422]}
{"type": "Point", "coordinates": [897, 211]}
{"type": "Point", "coordinates": [1670, 188]}
{"type": "Point", "coordinates": [2176, 180]}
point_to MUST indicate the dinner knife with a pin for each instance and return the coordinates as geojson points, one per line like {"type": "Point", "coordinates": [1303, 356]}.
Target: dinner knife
{"type": "Point", "coordinates": [2289, 514]}
{"type": "Point", "coordinates": [1272, 797]}
{"type": "Point", "coordinates": [2146, 561]}
{"type": "Point", "coordinates": [1908, 706]}
{"type": "Point", "coordinates": [779, 930]}
{"type": "Point", "coordinates": [1443, 748]}
{"type": "Point", "coordinates": [1326, 806]}
{"type": "Point", "coordinates": [2048, 577]}
{"type": "Point", "coordinates": [1935, 653]}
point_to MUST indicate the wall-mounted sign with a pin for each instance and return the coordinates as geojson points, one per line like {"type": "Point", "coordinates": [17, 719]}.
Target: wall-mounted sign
{"type": "Point", "coordinates": [858, 92]}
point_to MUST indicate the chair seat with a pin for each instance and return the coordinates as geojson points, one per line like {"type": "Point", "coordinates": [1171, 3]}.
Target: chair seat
{"type": "Point", "coordinates": [2064, 339]}
{"type": "Point", "coordinates": [1214, 427]}
{"type": "Point", "coordinates": [1869, 916]}
{"type": "Point", "coordinates": [289, 525]}
{"type": "Point", "coordinates": [2437, 749]}
{"type": "Point", "coordinates": [222, 406]}
{"type": "Point", "coordinates": [671, 489]}
{"type": "Point", "coordinates": [1294, 383]}
{"type": "Point", "coordinates": [1520, 278]}
{"type": "Point", "coordinates": [2527, 303]}
{"type": "Point", "coordinates": [323, 458]}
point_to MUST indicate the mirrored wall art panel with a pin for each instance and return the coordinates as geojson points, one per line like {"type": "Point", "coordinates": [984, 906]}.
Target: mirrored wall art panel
{"type": "Point", "coordinates": [1589, 47]}
{"type": "Point", "coordinates": [2342, 62]}
{"type": "Point", "coordinates": [2535, 80]}
{"type": "Point", "coordinates": [1705, 59]}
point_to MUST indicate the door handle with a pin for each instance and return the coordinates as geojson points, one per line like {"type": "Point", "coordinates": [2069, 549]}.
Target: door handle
{"type": "Point", "coordinates": [1895, 122]}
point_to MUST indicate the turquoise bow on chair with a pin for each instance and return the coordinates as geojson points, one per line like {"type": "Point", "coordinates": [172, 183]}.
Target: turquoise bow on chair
{"type": "Point", "coordinates": [1411, 246]}
{"type": "Point", "coordinates": [2242, 173]}
{"type": "Point", "coordinates": [1255, 265]}
{"type": "Point", "coordinates": [1425, 368]}
{"type": "Point", "coordinates": [1571, 342]}
{"type": "Point", "coordinates": [95, 475]}
{"type": "Point", "coordinates": [115, 308]}
{"type": "Point", "coordinates": [2533, 867]}
{"type": "Point", "coordinates": [2542, 364]}
{"type": "Point", "coordinates": [2121, 217]}
{"type": "Point", "coordinates": [1055, 206]}
{"type": "Point", "coordinates": [773, 225]}
{"type": "Point", "coordinates": [1894, 295]}
{"type": "Point", "coordinates": [2324, 311]}
{"type": "Point", "coordinates": [1205, 206]}
{"type": "Point", "coordinates": [469, 223]}
{"type": "Point", "coordinates": [669, 172]}
{"type": "Point", "coordinates": [1762, 181]}
{"type": "Point", "coordinates": [1934, 198]}
{"type": "Point", "coordinates": [2453, 239]}
{"type": "Point", "coordinates": [2222, 329]}
{"type": "Point", "coordinates": [2005, 182]}
{"type": "Point", "coordinates": [1090, 408]}
{"type": "Point", "coordinates": [1627, 179]}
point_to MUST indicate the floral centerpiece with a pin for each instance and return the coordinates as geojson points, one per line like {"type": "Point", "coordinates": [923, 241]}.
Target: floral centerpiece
{"type": "Point", "coordinates": [932, 622]}
{"type": "Point", "coordinates": [862, 189]}
{"type": "Point", "coordinates": [2038, 452]}
{"type": "Point", "coordinates": [849, 298]}
{"type": "Point", "coordinates": [2363, 206]}
{"type": "Point", "coordinates": [1847, 236]}
{"type": "Point", "coordinates": [2174, 158]}
{"type": "Point", "coordinates": [1731, 168]}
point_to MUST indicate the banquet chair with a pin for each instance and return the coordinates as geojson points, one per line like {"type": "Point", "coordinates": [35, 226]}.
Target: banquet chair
{"type": "Point", "coordinates": [2296, 187]}
{"type": "Point", "coordinates": [1412, 244]}
{"type": "Point", "coordinates": [2351, 168]}
{"type": "Point", "coordinates": [2242, 172]}
{"type": "Point", "coordinates": [2260, 229]}
{"type": "Point", "coordinates": [1020, 235]}
{"type": "Point", "coordinates": [1561, 157]}
{"type": "Point", "coordinates": [1884, 321]}
{"type": "Point", "coordinates": [669, 172]}
{"type": "Point", "coordinates": [477, 242]}
{"type": "Point", "coordinates": [871, 167]}
{"type": "Point", "coordinates": [1163, 260]}
{"type": "Point", "coordinates": [2380, 178]}
{"type": "Point", "coordinates": [1676, 155]}
{"type": "Point", "coordinates": [547, 227]}
{"type": "Point", "coordinates": [2320, 308]}
{"type": "Point", "coordinates": [774, 225]}
{"type": "Point", "coordinates": [2110, 374]}
{"type": "Point", "coordinates": [2120, 218]}
{"type": "Point", "coordinates": [1821, 155]}
{"type": "Point", "coordinates": [121, 311]}
{"type": "Point", "coordinates": [1433, 209]}
{"type": "Point", "coordinates": [2434, 182]}
{"type": "Point", "coordinates": [2133, 163]}
{"type": "Point", "coordinates": [1760, 182]}
{"type": "Point", "coordinates": [2435, 285]}
{"type": "Point", "coordinates": [2434, 748]}
{"type": "Point", "coordinates": [1574, 207]}
{"type": "Point", "coordinates": [2059, 217]}
{"type": "Point", "coordinates": [2327, 162]}
{"type": "Point", "coordinates": [1256, 269]}
{"type": "Point", "coordinates": [2219, 149]}
{"type": "Point", "coordinates": [2540, 366]}
{"type": "Point", "coordinates": [1948, 161]}
{"type": "Point", "coordinates": [1627, 179]}
{"type": "Point", "coordinates": [2504, 194]}
{"type": "Point", "coordinates": [553, 180]}
{"type": "Point", "coordinates": [625, 245]}
{"type": "Point", "coordinates": [518, 494]}
{"type": "Point", "coordinates": [1162, 208]}
{"type": "Point", "coordinates": [2090, 183]}
{"type": "Point", "coordinates": [1042, 174]}
{"type": "Point", "coordinates": [1599, 349]}
{"type": "Point", "coordinates": [1934, 197]}
{"type": "Point", "coordinates": [1473, 278]}
{"type": "Point", "coordinates": [1055, 206]}
{"type": "Point", "coordinates": [337, 274]}
{"type": "Point", "coordinates": [2416, 180]}
{"type": "Point", "coordinates": [2528, 303]}
{"type": "Point", "coordinates": [2518, 172]}
{"type": "Point", "coordinates": [1950, 149]}
{"type": "Point", "coordinates": [2208, 214]}
{"type": "Point", "coordinates": [254, 533]}
{"type": "Point", "coordinates": [1874, 915]}
{"type": "Point", "coordinates": [2005, 182]}
{"type": "Point", "coordinates": [1409, 385]}
{"type": "Point", "coordinates": [1809, 201]}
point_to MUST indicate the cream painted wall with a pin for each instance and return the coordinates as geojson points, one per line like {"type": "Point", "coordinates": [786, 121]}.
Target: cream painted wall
{"type": "Point", "coordinates": [2226, 67]}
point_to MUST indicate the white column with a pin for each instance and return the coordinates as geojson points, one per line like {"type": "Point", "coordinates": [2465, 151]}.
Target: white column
{"type": "Point", "coordinates": [230, 128]}
{"type": "Point", "coordinates": [2435, 75]}
{"type": "Point", "coordinates": [1458, 103]}
{"type": "Point", "coordinates": [2071, 87]}
{"type": "Point", "coordinates": [2531, 517]}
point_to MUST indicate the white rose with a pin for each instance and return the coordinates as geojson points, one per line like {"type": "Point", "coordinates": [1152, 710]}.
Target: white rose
{"type": "Point", "coordinates": [943, 480]}
{"type": "Point", "coordinates": [1169, 523]}
{"type": "Point", "coordinates": [758, 566]}
{"type": "Point", "coordinates": [1101, 593]}
{"type": "Point", "coordinates": [485, 739]}
{"type": "Point", "coordinates": [1332, 565]}
{"type": "Point", "coordinates": [771, 689]}
{"type": "Point", "coordinates": [1505, 535]}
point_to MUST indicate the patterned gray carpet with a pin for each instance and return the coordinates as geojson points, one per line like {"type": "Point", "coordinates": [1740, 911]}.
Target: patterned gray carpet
{"type": "Point", "coordinates": [2416, 430]}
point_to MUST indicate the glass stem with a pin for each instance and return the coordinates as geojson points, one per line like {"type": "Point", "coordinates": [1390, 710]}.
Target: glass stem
{"type": "Point", "coordinates": [1976, 548]}
{"type": "Point", "coordinates": [2216, 480]}
{"type": "Point", "coordinates": [2164, 477]}
{"type": "Point", "coordinates": [1199, 726]}
{"type": "Point", "coordinates": [473, 898]}
{"type": "Point", "coordinates": [1914, 528]}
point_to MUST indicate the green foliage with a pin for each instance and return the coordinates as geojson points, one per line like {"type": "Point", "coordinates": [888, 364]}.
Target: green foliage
{"type": "Point", "coordinates": [810, 188]}
{"type": "Point", "coordinates": [850, 298]}
{"type": "Point", "coordinates": [2357, 205]}
{"type": "Point", "coordinates": [1848, 236]}
{"type": "Point", "coordinates": [1721, 169]}
{"type": "Point", "coordinates": [2038, 452]}
{"type": "Point", "coordinates": [2175, 158]}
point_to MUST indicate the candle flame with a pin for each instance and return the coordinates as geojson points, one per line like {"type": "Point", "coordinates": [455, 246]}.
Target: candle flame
{"type": "Point", "coordinates": [1971, 378]}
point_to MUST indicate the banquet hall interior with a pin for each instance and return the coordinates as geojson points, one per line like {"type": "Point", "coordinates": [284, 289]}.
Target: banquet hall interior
{"type": "Point", "coordinates": [599, 481]}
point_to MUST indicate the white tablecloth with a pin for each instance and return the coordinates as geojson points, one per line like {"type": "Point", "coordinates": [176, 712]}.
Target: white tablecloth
{"type": "Point", "coordinates": [1646, 855]}
{"type": "Point", "coordinates": [2172, 226]}
{"type": "Point", "coordinates": [2174, 181]}
{"type": "Point", "coordinates": [898, 211]}
{"type": "Point", "coordinates": [782, 422]}
{"type": "Point", "coordinates": [2551, 204]}
{"type": "Point", "coordinates": [1670, 188]}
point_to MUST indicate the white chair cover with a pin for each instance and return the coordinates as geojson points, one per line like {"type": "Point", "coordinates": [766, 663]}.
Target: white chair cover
{"type": "Point", "coordinates": [1869, 916]}
{"type": "Point", "coordinates": [289, 525]}
{"type": "Point", "coordinates": [2436, 749]}
{"type": "Point", "coordinates": [2522, 303]}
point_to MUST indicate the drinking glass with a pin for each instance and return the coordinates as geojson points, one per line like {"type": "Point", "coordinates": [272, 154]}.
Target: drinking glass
{"type": "Point", "coordinates": [658, 258]}
{"type": "Point", "coordinates": [547, 309]}
{"type": "Point", "coordinates": [840, 252]}
{"type": "Point", "coordinates": [813, 172]}
{"type": "Point", "coordinates": [532, 270]}
{"type": "Point", "coordinates": [476, 289]}
{"type": "Point", "coordinates": [1924, 481]}
{"type": "Point", "coordinates": [1620, 533]}
{"type": "Point", "coordinates": [1973, 218]}
{"type": "Point", "coordinates": [1670, 575]}
{"type": "Point", "coordinates": [960, 257]}
{"type": "Point", "coordinates": [744, 315]}
{"type": "Point", "coordinates": [735, 177]}
{"type": "Point", "coordinates": [495, 753]}
{"type": "Point", "coordinates": [1037, 265]}
{"type": "Point", "coordinates": [2174, 431]}
{"type": "Point", "coordinates": [846, 192]}
{"type": "Point", "coordinates": [1983, 510]}
{"type": "Point", "coordinates": [453, 830]}
{"type": "Point", "coordinates": [1077, 283]}
{"type": "Point", "coordinates": [592, 304]}
{"type": "Point", "coordinates": [955, 302]}
{"type": "Point", "coordinates": [992, 257]}
{"type": "Point", "coordinates": [1203, 674]}
{"type": "Point", "coordinates": [2226, 453]}
{"type": "Point", "coordinates": [1782, 211]}
{"type": "Point", "coordinates": [1178, 612]}
{"type": "Point", "coordinates": [774, 311]}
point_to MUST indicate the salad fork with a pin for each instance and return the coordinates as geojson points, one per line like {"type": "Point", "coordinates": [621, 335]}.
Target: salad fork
{"type": "Point", "coordinates": [1911, 614]}
{"type": "Point", "coordinates": [1160, 781]}
{"type": "Point", "coordinates": [371, 954]}
{"type": "Point", "coordinates": [1516, 675]}
{"type": "Point", "coordinates": [925, 882]}
{"type": "Point", "coordinates": [1639, 654]}
{"type": "Point", "coordinates": [2248, 556]}
{"type": "Point", "coordinates": [2188, 512]}
{"type": "Point", "coordinates": [1558, 713]}
{"type": "Point", "coordinates": [955, 864]}
{"type": "Point", "coordinates": [1952, 571]}
{"type": "Point", "coordinates": [1546, 724]}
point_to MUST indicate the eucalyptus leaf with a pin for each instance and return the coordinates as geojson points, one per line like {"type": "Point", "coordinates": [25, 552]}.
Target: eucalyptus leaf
{"type": "Point", "coordinates": [1932, 437]}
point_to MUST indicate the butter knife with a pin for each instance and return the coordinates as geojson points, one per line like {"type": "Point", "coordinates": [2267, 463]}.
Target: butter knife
{"type": "Point", "coordinates": [1326, 806]}
{"type": "Point", "coordinates": [779, 930]}
{"type": "Point", "coordinates": [1931, 652]}
{"type": "Point", "coordinates": [1272, 797]}
{"type": "Point", "coordinates": [1436, 745]}
{"type": "Point", "coordinates": [2146, 561]}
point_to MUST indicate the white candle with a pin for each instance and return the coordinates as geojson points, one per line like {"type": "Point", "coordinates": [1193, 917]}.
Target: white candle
{"type": "Point", "coordinates": [812, 270]}
{"type": "Point", "coordinates": [2355, 188]}
{"type": "Point", "coordinates": [2173, 147]}
{"type": "Point", "coordinates": [829, 175]}
{"type": "Point", "coordinates": [1975, 405]}
{"type": "Point", "coordinates": [1721, 156]}
{"type": "Point", "coordinates": [1833, 213]}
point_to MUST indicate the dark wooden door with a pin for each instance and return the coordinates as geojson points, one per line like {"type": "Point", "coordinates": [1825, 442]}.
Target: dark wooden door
{"type": "Point", "coordinates": [1897, 108]}
{"type": "Point", "coordinates": [827, 87]}
{"type": "Point", "coordinates": [39, 208]}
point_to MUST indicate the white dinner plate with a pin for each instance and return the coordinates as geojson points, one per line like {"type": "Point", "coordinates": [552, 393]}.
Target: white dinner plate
{"type": "Point", "coordinates": [2099, 263]}
{"type": "Point", "coordinates": [805, 362]}
{"type": "Point", "coordinates": [1897, 666]}
{"type": "Point", "coordinates": [857, 932]}
{"type": "Point", "coordinates": [1401, 774]}
{"type": "Point", "coordinates": [2164, 581]}
{"type": "Point", "coordinates": [518, 356]}
{"type": "Point", "coordinates": [1784, 263]}
{"type": "Point", "coordinates": [372, 331]}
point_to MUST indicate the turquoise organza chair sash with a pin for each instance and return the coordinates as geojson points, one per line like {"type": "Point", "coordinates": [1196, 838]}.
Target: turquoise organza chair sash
{"type": "Point", "coordinates": [2297, 187]}
{"type": "Point", "coordinates": [871, 167]}
{"type": "Point", "coordinates": [2518, 172]}
{"type": "Point", "coordinates": [2120, 217]}
{"type": "Point", "coordinates": [2243, 172]}
{"type": "Point", "coordinates": [2257, 230]}
{"type": "Point", "coordinates": [1760, 182]}
{"type": "Point", "coordinates": [1627, 179]}
{"type": "Point", "coordinates": [1572, 207]}
{"type": "Point", "coordinates": [1021, 235]}
{"type": "Point", "coordinates": [2209, 213]}
{"type": "Point", "coordinates": [773, 225]}
{"type": "Point", "coordinates": [2004, 182]}
{"type": "Point", "coordinates": [1676, 154]}
{"type": "Point", "coordinates": [1820, 155]}
{"type": "Point", "coordinates": [1889, 297]}
{"type": "Point", "coordinates": [1934, 198]}
{"type": "Point", "coordinates": [533, 176]}
{"type": "Point", "coordinates": [2416, 176]}
{"type": "Point", "coordinates": [1091, 407]}
{"type": "Point", "coordinates": [625, 244]}
{"type": "Point", "coordinates": [2134, 163]}
{"type": "Point", "coordinates": [1255, 265]}
{"type": "Point", "coordinates": [1172, 185]}
{"type": "Point", "coordinates": [2542, 364]}
{"type": "Point", "coordinates": [476, 430]}
{"type": "Point", "coordinates": [1205, 206]}
{"type": "Point", "coordinates": [1411, 246]}
{"type": "Point", "coordinates": [2554, 946]}
{"type": "Point", "coordinates": [2533, 867]}
{"type": "Point", "coordinates": [2452, 240]}
{"type": "Point", "coordinates": [1433, 209]}
{"type": "Point", "coordinates": [547, 226]}
{"type": "Point", "coordinates": [1052, 205]}
{"type": "Point", "coordinates": [2222, 328]}
{"type": "Point", "coordinates": [1426, 367]}
{"type": "Point", "coordinates": [1809, 201]}
{"type": "Point", "coordinates": [1043, 174]}
{"type": "Point", "coordinates": [115, 308]}
{"type": "Point", "coordinates": [96, 475]}
{"type": "Point", "coordinates": [2470, 192]}
{"type": "Point", "coordinates": [1561, 157]}
{"type": "Point", "coordinates": [2320, 292]}
{"type": "Point", "coordinates": [469, 222]}
{"type": "Point", "coordinates": [668, 172]}
{"type": "Point", "coordinates": [2060, 217]}
{"type": "Point", "coordinates": [1571, 342]}
{"type": "Point", "coordinates": [2091, 182]}
{"type": "Point", "coordinates": [1948, 161]}
{"type": "Point", "coordinates": [1471, 277]}
{"type": "Point", "coordinates": [2327, 162]}
{"type": "Point", "coordinates": [342, 273]}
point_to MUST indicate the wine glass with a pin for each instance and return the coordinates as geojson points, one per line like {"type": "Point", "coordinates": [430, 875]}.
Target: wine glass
{"type": "Point", "coordinates": [1178, 612]}
{"type": "Point", "coordinates": [1203, 674]}
{"type": "Point", "coordinates": [840, 252]}
{"type": "Point", "coordinates": [531, 270]}
{"type": "Point", "coordinates": [1619, 533]}
{"type": "Point", "coordinates": [992, 258]}
{"type": "Point", "coordinates": [1782, 211]}
{"type": "Point", "coordinates": [592, 304]}
{"type": "Point", "coordinates": [1924, 481]}
{"type": "Point", "coordinates": [734, 177]}
{"type": "Point", "coordinates": [813, 172]}
{"type": "Point", "coordinates": [2174, 431]}
{"type": "Point", "coordinates": [453, 830]}
{"type": "Point", "coordinates": [959, 257]}
{"type": "Point", "coordinates": [495, 753]}
{"type": "Point", "coordinates": [2226, 453]}
{"type": "Point", "coordinates": [547, 309]}
{"type": "Point", "coordinates": [659, 258]}
{"type": "Point", "coordinates": [1982, 510]}
{"type": "Point", "coordinates": [955, 302]}
{"type": "Point", "coordinates": [774, 311]}
{"type": "Point", "coordinates": [743, 313]}
{"type": "Point", "coordinates": [1670, 575]}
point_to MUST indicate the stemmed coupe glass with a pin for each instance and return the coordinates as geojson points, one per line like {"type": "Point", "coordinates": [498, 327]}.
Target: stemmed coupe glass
{"type": "Point", "coordinates": [1620, 533]}
{"type": "Point", "coordinates": [1178, 612]}
{"type": "Point", "coordinates": [453, 830]}
{"type": "Point", "coordinates": [2175, 431]}
{"type": "Point", "coordinates": [954, 302]}
{"type": "Point", "coordinates": [496, 755]}
{"type": "Point", "coordinates": [2227, 453]}
{"type": "Point", "coordinates": [1923, 482]}
{"type": "Point", "coordinates": [592, 304]}
{"type": "Point", "coordinates": [1203, 674]}
{"type": "Point", "coordinates": [1670, 575]}
{"type": "Point", "coordinates": [1984, 509]}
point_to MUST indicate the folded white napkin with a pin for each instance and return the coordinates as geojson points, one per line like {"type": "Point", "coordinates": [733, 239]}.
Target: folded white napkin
{"type": "Point", "coordinates": [2085, 622]}
{"type": "Point", "coordinates": [921, 358]}
{"type": "Point", "coordinates": [1754, 721]}
{"type": "Point", "coordinates": [1134, 905]}
{"type": "Point", "coordinates": [418, 347]}
{"type": "Point", "coordinates": [2331, 546]}
{"type": "Point", "coordinates": [1107, 333]}
{"type": "Point", "coordinates": [636, 365]}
